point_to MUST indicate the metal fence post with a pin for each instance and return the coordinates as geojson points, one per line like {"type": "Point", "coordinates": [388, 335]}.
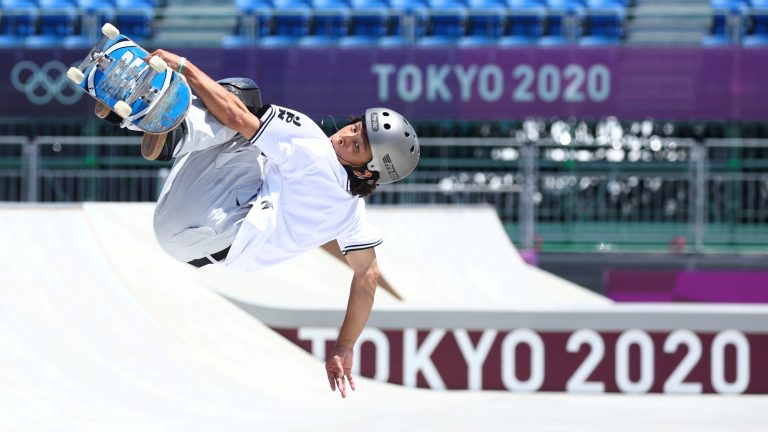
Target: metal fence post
{"type": "Point", "coordinates": [526, 216]}
{"type": "Point", "coordinates": [698, 217]}
{"type": "Point", "coordinates": [31, 152]}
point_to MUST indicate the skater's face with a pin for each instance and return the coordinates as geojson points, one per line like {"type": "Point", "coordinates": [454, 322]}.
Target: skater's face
{"type": "Point", "coordinates": [351, 145]}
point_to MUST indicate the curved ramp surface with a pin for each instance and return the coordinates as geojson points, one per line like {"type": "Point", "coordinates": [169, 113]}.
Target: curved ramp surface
{"type": "Point", "coordinates": [106, 334]}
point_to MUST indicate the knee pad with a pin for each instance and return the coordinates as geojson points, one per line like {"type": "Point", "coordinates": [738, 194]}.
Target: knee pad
{"type": "Point", "coordinates": [246, 89]}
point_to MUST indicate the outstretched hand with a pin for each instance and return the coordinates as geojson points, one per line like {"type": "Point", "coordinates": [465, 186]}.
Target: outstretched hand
{"type": "Point", "coordinates": [339, 369]}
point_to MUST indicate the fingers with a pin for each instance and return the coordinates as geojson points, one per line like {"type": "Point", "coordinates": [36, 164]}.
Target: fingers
{"type": "Point", "coordinates": [341, 385]}
{"type": "Point", "coordinates": [338, 376]}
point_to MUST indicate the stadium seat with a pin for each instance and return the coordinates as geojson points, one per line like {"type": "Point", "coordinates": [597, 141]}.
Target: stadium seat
{"type": "Point", "coordinates": [317, 41]}
{"type": "Point", "coordinates": [235, 41]}
{"type": "Point", "coordinates": [278, 41]}
{"type": "Point", "coordinates": [391, 42]}
{"type": "Point", "coordinates": [603, 22]}
{"type": "Point", "coordinates": [408, 5]}
{"type": "Point", "coordinates": [368, 22]}
{"type": "Point", "coordinates": [553, 40]}
{"type": "Point", "coordinates": [77, 41]}
{"type": "Point", "coordinates": [564, 20]}
{"type": "Point", "coordinates": [712, 40]}
{"type": "Point", "coordinates": [253, 21]}
{"type": "Point", "coordinates": [134, 18]}
{"type": "Point", "coordinates": [447, 22]}
{"type": "Point", "coordinates": [515, 41]}
{"type": "Point", "coordinates": [729, 18]}
{"type": "Point", "coordinates": [436, 41]}
{"type": "Point", "coordinates": [19, 17]}
{"type": "Point", "coordinates": [41, 41]}
{"type": "Point", "coordinates": [409, 20]}
{"type": "Point", "coordinates": [252, 6]}
{"type": "Point", "coordinates": [356, 41]}
{"type": "Point", "coordinates": [475, 41]}
{"type": "Point", "coordinates": [755, 40]}
{"type": "Point", "coordinates": [96, 11]}
{"type": "Point", "coordinates": [758, 15]}
{"type": "Point", "coordinates": [11, 41]}
{"type": "Point", "coordinates": [525, 22]}
{"type": "Point", "coordinates": [57, 18]}
{"type": "Point", "coordinates": [486, 18]}
{"type": "Point", "coordinates": [598, 40]}
{"type": "Point", "coordinates": [329, 22]}
{"type": "Point", "coordinates": [290, 22]}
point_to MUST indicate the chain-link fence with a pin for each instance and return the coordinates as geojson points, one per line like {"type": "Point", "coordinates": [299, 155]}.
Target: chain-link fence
{"type": "Point", "coordinates": [639, 192]}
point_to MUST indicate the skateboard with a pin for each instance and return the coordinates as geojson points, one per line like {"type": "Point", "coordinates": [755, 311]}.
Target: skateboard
{"type": "Point", "coordinates": [150, 97]}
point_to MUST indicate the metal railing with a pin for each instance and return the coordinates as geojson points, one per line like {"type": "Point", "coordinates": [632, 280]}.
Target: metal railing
{"type": "Point", "coordinates": [658, 192]}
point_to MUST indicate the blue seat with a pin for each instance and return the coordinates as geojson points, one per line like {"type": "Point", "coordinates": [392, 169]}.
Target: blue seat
{"type": "Point", "coordinates": [553, 40]}
{"type": "Point", "coordinates": [278, 41]}
{"type": "Point", "coordinates": [408, 20]}
{"type": "Point", "coordinates": [290, 21]}
{"type": "Point", "coordinates": [447, 22]}
{"type": "Point", "coordinates": [475, 41]}
{"type": "Point", "coordinates": [391, 42]}
{"type": "Point", "coordinates": [134, 18]}
{"type": "Point", "coordinates": [252, 6]}
{"type": "Point", "coordinates": [104, 10]}
{"type": "Point", "coordinates": [317, 41]}
{"type": "Point", "coordinates": [486, 18]}
{"type": "Point", "coordinates": [19, 17]}
{"type": "Point", "coordinates": [253, 20]}
{"type": "Point", "coordinates": [57, 18]}
{"type": "Point", "coordinates": [94, 14]}
{"type": "Point", "coordinates": [605, 20]}
{"type": "Point", "coordinates": [711, 40]}
{"type": "Point", "coordinates": [370, 22]}
{"type": "Point", "coordinates": [77, 41]}
{"type": "Point", "coordinates": [564, 20]}
{"type": "Point", "coordinates": [408, 5]}
{"type": "Point", "coordinates": [369, 4]}
{"type": "Point", "coordinates": [356, 41]}
{"type": "Point", "coordinates": [755, 40]}
{"type": "Point", "coordinates": [330, 19]}
{"type": "Point", "coordinates": [42, 41]}
{"type": "Point", "coordinates": [516, 41]}
{"type": "Point", "coordinates": [598, 40]}
{"type": "Point", "coordinates": [436, 41]}
{"type": "Point", "coordinates": [525, 21]}
{"type": "Point", "coordinates": [758, 14]}
{"type": "Point", "coordinates": [722, 10]}
{"type": "Point", "coordinates": [11, 41]}
{"type": "Point", "coordinates": [235, 41]}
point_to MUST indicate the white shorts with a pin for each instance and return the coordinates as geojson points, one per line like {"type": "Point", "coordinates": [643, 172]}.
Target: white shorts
{"type": "Point", "coordinates": [215, 175]}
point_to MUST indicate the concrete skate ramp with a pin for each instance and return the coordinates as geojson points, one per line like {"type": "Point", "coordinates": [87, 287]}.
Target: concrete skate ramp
{"type": "Point", "coordinates": [106, 334]}
{"type": "Point", "coordinates": [451, 256]}
{"type": "Point", "coordinates": [434, 257]}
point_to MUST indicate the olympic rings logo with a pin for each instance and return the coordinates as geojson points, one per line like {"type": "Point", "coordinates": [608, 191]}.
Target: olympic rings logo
{"type": "Point", "coordinates": [43, 84]}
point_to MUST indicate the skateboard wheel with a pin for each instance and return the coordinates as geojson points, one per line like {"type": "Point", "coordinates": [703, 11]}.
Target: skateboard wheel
{"type": "Point", "coordinates": [75, 75]}
{"type": "Point", "coordinates": [110, 31]}
{"type": "Point", "coordinates": [122, 109]}
{"type": "Point", "coordinates": [158, 64]}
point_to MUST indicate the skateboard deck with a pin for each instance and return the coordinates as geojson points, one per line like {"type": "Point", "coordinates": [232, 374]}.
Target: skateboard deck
{"type": "Point", "coordinates": [150, 97]}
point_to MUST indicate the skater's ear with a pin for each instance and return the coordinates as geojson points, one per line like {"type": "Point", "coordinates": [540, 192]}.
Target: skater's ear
{"type": "Point", "coordinates": [362, 174]}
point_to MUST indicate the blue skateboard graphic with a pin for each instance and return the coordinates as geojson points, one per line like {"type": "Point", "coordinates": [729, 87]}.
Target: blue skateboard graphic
{"type": "Point", "coordinates": [150, 96]}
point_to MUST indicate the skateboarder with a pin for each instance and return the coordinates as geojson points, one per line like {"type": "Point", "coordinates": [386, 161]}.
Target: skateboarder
{"type": "Point", "coordinates": [252, 186]}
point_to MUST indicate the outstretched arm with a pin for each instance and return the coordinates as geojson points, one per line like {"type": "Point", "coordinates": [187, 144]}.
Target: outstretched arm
{"type": "Point", "coordinates": [339, 363]}
{"type": "Point", "coordinates": [225, 106]}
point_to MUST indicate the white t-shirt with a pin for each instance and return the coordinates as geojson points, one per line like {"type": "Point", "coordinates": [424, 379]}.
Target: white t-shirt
{"type": "Point", "coordinates": [304, 202]}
